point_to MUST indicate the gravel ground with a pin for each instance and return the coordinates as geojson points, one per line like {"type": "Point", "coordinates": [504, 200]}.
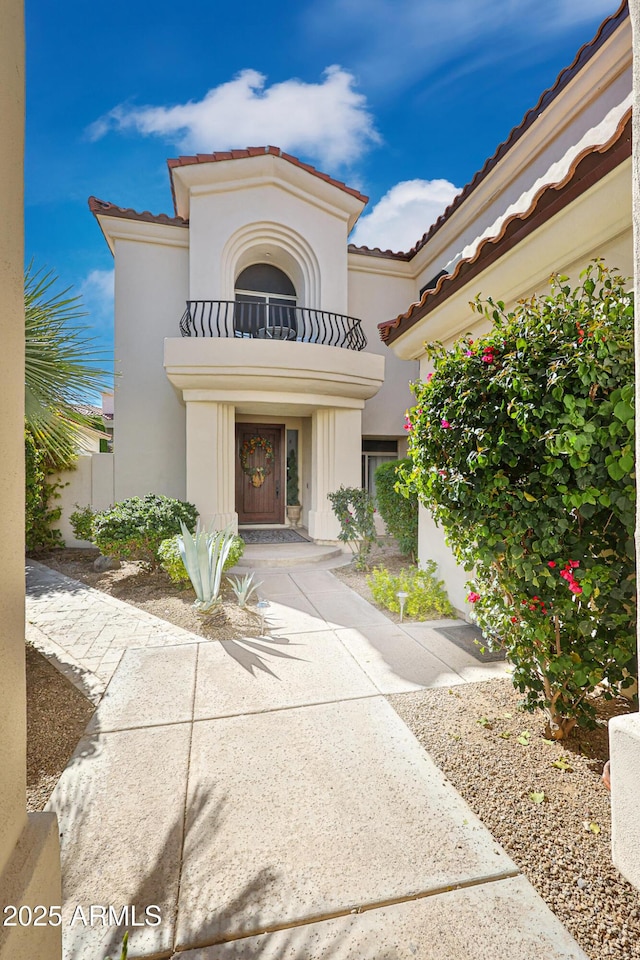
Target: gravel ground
{"type": "Point", "coordinates": [153, 591]}
{"type": "Point", "coordinates": [57, 715]}
{"type": "Point", "coordinates": [563, 842]}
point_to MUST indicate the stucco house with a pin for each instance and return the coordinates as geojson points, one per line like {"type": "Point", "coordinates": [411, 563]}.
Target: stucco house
{"type": "Point", "coordinates": [246, 325]}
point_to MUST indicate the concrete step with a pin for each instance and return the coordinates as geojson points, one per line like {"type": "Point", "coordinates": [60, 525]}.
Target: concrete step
{"type": "Point", "coordinates": [260, 555]}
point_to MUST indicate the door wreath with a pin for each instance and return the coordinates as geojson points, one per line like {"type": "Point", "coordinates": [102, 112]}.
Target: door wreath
{"type": "Point", "coordinates": [257, 474]}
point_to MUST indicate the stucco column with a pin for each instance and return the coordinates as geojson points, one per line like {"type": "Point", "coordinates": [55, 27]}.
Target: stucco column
{"type": "Point", "coordinates": [29, 851]}
{"type": "Point", "coordinates": [336, 458]}
{"type": "Point", "coordinates": [211, 461]}
{"type": "Point", "coordinates": [624, 732]}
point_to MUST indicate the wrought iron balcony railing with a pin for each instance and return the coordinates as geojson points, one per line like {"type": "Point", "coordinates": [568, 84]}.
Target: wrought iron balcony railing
{"type": "Point", "coordinates": [271, 321]}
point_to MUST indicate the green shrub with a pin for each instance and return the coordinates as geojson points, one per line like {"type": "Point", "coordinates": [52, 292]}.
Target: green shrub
{"type": "Point", "coordinates": [171, 560]}
{"type": "Point", "coordinates": [522, 447]}
{"type": "Point", "coordinates": [354, 509]}
{"type": "Point", "coordinates": [81, 521]}
{"type": "Point", "coordinates": [39, 534]}
{"type": "Point", "coordinates": [134, 529]}
{"type": "Point", "coordinates": [427, 597]}
{"type": "Point", "coordinates": [398, 509]}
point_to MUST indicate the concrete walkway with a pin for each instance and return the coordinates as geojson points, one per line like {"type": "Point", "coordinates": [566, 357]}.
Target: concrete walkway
{"type": "Point", "coordinates": [263, 795]}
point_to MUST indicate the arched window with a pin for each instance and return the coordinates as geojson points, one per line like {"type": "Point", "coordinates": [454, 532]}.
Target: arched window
{"type": "Point", "coordinates": [266, 303]}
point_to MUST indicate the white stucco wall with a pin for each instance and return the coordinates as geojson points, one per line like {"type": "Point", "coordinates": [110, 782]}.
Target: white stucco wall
{"type": "Point", "coordinates": [265, 223]}
{"type": "Point", "coordinates": [151, 287]}
{"type": "Point", "coordinates": [90, 484]}
{"type": "Point", "coordinates": [377, 293]}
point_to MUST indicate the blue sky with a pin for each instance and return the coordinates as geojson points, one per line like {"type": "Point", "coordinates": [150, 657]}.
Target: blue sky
{"type": "Point", "coordinates": [403, 99]}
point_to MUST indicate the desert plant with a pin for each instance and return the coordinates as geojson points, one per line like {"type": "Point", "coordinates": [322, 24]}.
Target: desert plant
{"type": "Point", "coordinates": [522, 446]}
{"type": "Point", "coordinates": [354, 509]}
{"type": "Point", "coordinates": [125, 948]}
{"type": "Point", "coordinates": [39, 515]}
{"type": "Point", "coordinates": [171, 559]}
{"type": "Point", "coordinates": [427, 597]}
{"type": "Point", "coordinates": [398, 506]}
{"type": "Point", "coordinates": [61, 369]}
{"type": "Point", "coordinates": [293, 493]}
{"type": "Point", "coordinates": [134, 529]}
{"type": "Point", "coordinates": [81, 521]}
{"type": "Point", "coordinates": [204, 555]}
{"type": "Point", "coordinates": [244, 588]}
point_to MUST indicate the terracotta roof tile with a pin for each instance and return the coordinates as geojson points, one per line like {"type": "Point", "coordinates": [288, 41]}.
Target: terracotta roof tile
{"type": "Point", "coordinates": [584, 54]}
{"type": "Point", "coordinates": [587, 168]}
{"type": "Point", "coordinates": [127, 213]}
{"type": "Point", "coordinates": [257, 152]}
{"type": "Point", "coordinates": [377, 252]}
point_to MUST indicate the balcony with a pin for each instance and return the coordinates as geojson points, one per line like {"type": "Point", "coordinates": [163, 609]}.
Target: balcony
{"type": "Point", "coordinates": [271, 321]}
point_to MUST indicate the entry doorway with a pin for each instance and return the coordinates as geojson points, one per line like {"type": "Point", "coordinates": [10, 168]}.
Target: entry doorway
{"type": "Point", "coordinates": [260, 493]}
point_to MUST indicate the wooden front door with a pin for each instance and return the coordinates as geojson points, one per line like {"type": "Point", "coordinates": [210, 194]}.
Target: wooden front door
{"type": "Point", "coordinates": [260, 493]}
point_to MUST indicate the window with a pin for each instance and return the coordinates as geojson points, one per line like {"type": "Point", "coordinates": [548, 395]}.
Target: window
{"type": "Point", "coordinates": [266, 304]}
{"type": "Point", "coordinates": [375, 452]}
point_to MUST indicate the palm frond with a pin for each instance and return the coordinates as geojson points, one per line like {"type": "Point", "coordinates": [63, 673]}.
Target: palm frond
{"type": "Point", "coordinates": [62, 366]}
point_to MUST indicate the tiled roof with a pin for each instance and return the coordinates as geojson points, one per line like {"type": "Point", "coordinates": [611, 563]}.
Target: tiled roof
{"type": "Point", "coordinates": [584, 54]}
{"type": "Point", "coordinates": [586, 168]}
{"type": "Point", "coordinates": [259, 152]}
{"type": "Point", "coordinates": [377, 252]}
{"type": "Point", "coordinates": [126, 213]}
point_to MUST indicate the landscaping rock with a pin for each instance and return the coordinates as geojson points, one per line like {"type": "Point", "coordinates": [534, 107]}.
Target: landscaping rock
{"type": "Point", "coordinates": [102, 564]}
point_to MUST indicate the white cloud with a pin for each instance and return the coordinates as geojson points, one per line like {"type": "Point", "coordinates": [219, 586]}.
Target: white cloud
{"type": "Point", "coordinates": [404, 214]}
{"type": "Point", "coordinates": [328, 121]}
{"type": "Point", "coordinates": [391, 43]}
{"type": "Point", "coordinates": [97, 294]}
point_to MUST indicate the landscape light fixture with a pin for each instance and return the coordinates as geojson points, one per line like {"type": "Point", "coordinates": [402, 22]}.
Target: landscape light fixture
{"type": "Point", "coordinates": [263, 606]}
{"type": "Point", "coordinates": [402, 597]}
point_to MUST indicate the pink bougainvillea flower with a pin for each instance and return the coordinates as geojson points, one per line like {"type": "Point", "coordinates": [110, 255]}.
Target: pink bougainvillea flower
{"type": "Point", "coordinates": [473, 597]}
{"type": "Point", "coordinates": [407, 426]}
{"type": "Point", "coordinates": [567, 574]}
{"type": "Point", "coordinates": [429, 376]}
{"type": "Point", "coordinates": [445, 424]}
{"type": "Point", "coordinates": [469, 353]}
{"type": "Point", "coordinates": [552, 564]}
{"type": "Point", "coordinates": [488, 358]}
{"type": "Point", "coordinates": [442, 473]}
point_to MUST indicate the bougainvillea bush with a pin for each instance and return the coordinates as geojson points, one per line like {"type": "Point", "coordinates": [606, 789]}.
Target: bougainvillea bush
{"type": "Point", "coordinates": [522, 446]}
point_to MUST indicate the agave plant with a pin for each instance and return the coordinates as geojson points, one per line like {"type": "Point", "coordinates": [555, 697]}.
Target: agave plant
{"type": "Point", "coordinates": [125, 947]}
{"type": "Point", "coordinates": [204, 554]}
{"type": "Point", "coordinates": [244, 588]}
